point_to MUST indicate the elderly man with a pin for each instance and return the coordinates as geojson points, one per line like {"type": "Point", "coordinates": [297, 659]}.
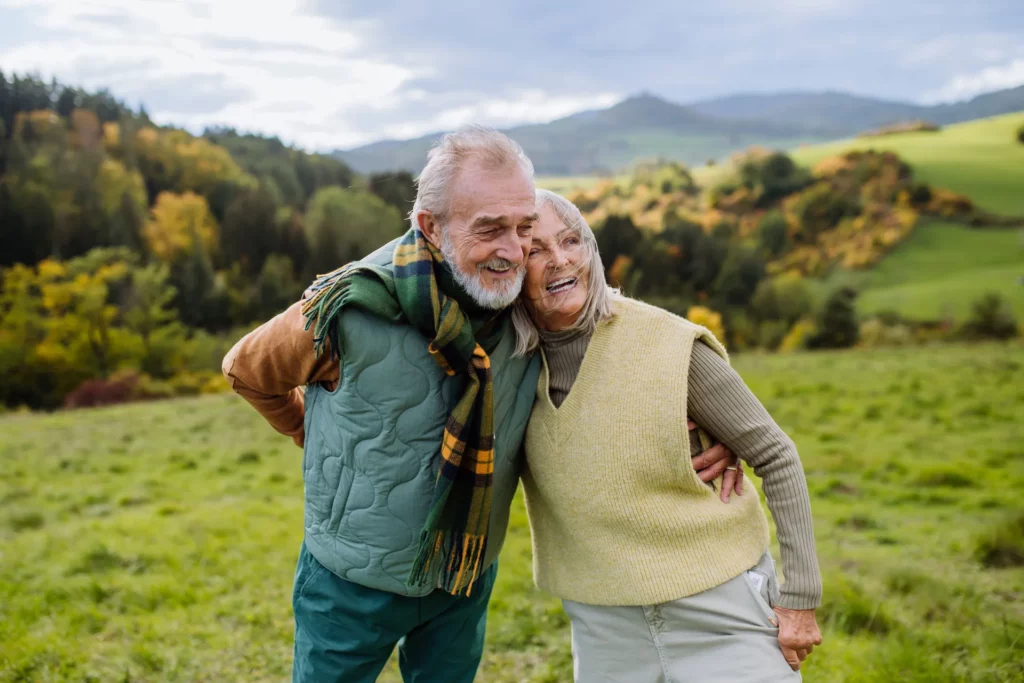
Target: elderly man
{"type": "Point", "coordinates": [411, 421]}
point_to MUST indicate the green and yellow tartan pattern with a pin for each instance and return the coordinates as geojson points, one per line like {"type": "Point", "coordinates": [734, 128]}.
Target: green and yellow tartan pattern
{"type": "Point", "coordinates": [414, 291]}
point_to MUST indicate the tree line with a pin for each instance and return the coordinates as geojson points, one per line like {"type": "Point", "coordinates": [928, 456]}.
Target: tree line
{"type": "Point", "coordinates": [112, 225]}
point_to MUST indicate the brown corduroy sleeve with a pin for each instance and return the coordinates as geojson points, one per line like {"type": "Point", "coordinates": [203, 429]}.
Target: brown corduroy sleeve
{"type": "Point", "coordinates": [720, 402]}
{"type": "Point", "coordinates": [270, 366]}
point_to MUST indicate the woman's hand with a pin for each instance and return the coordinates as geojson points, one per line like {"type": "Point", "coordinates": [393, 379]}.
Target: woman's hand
{"type": "Point", "coordinates": [715, 460]}
{"type": "Point", "coordinates": [798, 634]}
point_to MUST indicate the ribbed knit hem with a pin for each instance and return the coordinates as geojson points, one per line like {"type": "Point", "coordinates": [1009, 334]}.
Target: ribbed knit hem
{"type": "Point", "coordinates": [654, 580]}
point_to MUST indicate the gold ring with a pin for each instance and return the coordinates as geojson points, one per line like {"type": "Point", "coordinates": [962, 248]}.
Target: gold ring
{"type": "Point", "coordinates": [732, 467]}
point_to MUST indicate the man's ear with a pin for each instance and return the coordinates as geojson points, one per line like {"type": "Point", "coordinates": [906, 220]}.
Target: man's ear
{"type": "Point", "coordinates": [429, 227]}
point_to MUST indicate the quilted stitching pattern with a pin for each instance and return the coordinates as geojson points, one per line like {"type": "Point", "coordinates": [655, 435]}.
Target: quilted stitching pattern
{"type": "Point", "coordinates": [372, 446]}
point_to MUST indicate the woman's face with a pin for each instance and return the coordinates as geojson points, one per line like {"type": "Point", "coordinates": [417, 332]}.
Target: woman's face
{"type": "Point", "coordinates": [557, 273]}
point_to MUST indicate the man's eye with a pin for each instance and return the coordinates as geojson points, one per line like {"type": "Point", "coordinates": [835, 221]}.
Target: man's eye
{"type": "Point", "coordinates": [534, 252]}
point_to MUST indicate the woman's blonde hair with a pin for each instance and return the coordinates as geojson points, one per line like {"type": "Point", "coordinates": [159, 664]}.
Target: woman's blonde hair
{"type": "Point", "coordinates": [598, 305]}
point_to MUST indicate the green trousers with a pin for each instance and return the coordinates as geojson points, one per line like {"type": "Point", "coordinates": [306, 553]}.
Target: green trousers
{"type": "Point", "coordinates": [345, 632]}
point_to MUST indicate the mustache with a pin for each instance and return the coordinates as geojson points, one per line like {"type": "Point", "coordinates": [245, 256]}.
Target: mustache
{"type": "Point", "coordinates": [578, 271]}
{"type": "Point", "coordinates": [499, 263]}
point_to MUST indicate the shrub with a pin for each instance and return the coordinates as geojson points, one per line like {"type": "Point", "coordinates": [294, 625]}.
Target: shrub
{"type": "Point", "coordinates": [786, 298]}
{"type": "Point", "coordinates": [701, 315]}
{"type": "Point", "coordinates": [920, 194]}
{"type": "Point", "coordinates": [739, 276]}
{"type": "Point", "coordinates": [617, 236]}
{"type": "Point", "coordinates": [876, 332]}
{"type": "Point", "coordinates": [195, 383]}
{"type": "Point", "coordinates": [1003, 545]}
{"type": "Point", "coordinates": [837, 323]}
{"type": "Point", "coordinates": [991, 318]}
{"type": "Point", "coordinates": [819, 209]}
{"type": "Point", "coordinates": [771, 334]}
{"type": "Point", "coordinates": [152, 389]}
{"type": "Point", "coordinates": [772, 176]}
{"type": "Point", "coordinates": [103, 392]}
{"type": "Point", "coordinates": [917, 126]}
{"type": "Point", "coordinates": [773, 233]}
{"type": "Point", "coordinates": [1020, 134]}
{"type": "Point", "coordinates": [798, 336]}
{"type": "Point", "coordinates": [743, 333]}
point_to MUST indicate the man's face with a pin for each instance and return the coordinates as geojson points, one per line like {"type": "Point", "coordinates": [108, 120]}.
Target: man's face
{"type": "Point", "coordinates": [487, 236]}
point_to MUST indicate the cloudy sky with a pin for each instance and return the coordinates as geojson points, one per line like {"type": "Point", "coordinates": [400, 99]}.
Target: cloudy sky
{"type": "Point", "coordinates": [327, 74]}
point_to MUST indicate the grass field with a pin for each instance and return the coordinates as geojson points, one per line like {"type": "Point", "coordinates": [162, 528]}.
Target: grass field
{"type": "Point", "coordinates": [157, 542]}
{"type": "Point", "coordinates": [939, 271]}
{"type": "Point", "coordinates": [981, 159]}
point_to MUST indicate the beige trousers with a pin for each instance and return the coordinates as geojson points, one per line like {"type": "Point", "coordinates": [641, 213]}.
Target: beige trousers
{"type": "Point", "coordinates": [727, 634]}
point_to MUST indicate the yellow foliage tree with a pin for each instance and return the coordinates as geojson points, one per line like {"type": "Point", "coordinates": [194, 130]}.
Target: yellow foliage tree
{"type": "Point", "coordinates": [702, 315]}
{"type": "Point", "coordinates": [111, 135]}
{"type": "Point", "coordinates": [41, 123]}
{"type": "Point", "coordinates": [177, 222]}
{"type": "Point", "coordinates": [187, 164]}
{"type": "Point", "coordinates": [85, 130]}
{"type": "Point", "coordinates": [797, 337]}
{"type": "Point", "coordinates": [115, 181]}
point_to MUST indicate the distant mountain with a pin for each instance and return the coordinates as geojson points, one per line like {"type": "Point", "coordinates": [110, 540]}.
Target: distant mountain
{"type": "Point", "coordinates": [843, 114]}
{"type": "Point", "coordinates": [606, 140]}
{"type": "Point", "coordinates": [647, 126]}
{"type": "Point", "coordinates": [830, 113]}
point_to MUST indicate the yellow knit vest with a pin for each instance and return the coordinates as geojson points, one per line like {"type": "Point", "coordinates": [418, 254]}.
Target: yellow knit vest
{"type": "Point", "coordinates": [618, 514]}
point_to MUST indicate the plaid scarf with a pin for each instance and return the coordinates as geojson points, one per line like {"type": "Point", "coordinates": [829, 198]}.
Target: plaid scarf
{"type": "Point", "coordinates": [420, 291]}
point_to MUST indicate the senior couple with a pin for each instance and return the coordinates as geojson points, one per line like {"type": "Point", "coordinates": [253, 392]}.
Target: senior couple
{"type": "Point", "coordinates": [484, 347]}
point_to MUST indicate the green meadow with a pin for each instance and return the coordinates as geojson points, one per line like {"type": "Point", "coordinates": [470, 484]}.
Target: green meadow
{"type": "Point", "coordinates": [157, 542]}
{"type": "Point", "coordinates": [943, 267]}
{"type": "Point", "coordinates": [939, 271]}
{"type": "Point", "coordinates": [981, 159]}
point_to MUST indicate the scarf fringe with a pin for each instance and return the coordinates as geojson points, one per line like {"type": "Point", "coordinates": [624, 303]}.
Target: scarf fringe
{"type": "Point", "coordinates": [462, 554]}
{"type": "Point", "coordinates": [329, 294]}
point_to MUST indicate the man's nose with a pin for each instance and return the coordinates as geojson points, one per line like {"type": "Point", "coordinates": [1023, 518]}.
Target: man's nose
{"type": "Point", "coordinates": [511, 249]}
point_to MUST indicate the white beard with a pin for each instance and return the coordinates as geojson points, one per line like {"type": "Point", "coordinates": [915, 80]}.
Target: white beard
{"type": "Point", "coordinates": [497, 298]}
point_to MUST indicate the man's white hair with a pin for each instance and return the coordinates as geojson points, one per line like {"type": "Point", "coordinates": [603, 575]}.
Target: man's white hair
{"type": "Point", "coordinates": [598, 305]}
{"type": "Point", "coordinates": [493, 150]}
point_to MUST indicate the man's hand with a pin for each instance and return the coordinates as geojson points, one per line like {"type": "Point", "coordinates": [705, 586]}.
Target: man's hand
{"type": "Point", "coordinates": [798, 634]}
{"type": "Point", "coordinates": [715, 460]}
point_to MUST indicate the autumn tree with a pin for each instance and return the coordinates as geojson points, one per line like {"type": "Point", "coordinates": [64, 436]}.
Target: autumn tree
{"type": "Point", "coordinates": [178, 223]}
{"type": "Point", "coordinates": [250, 232]}
{"type": "Point", "coordinates": [345, 225]}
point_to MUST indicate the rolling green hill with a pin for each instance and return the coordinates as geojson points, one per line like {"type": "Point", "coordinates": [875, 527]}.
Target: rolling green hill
{"type": "Point", "coordinates": [943, 267]}
{"type": "Point", "coordinates": [980, 159]}
{"type": "Point", "coordinates": [939, 271]}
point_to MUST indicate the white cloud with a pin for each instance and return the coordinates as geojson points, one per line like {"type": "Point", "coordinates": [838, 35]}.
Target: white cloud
{"type": "Point", "coordinates": [990, 78]}
{"type": "Point", "coordinates": [258, 66]}
{"type": "Point", "coordinates": [528, 106]}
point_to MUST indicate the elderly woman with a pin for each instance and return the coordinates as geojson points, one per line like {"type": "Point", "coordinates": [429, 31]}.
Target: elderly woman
{"type": "Point", "coordinates": [661, 579]}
